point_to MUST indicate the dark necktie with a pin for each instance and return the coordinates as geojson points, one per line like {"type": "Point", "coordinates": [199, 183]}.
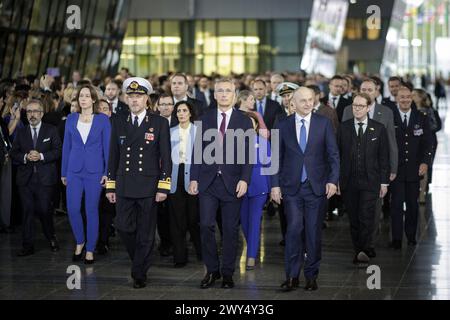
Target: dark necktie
{"type": "Point", "coordinates": [405, 122]}
{"type": "Point", "coordinates": [35, 137]}
{"type": "Point", "coordinates": [136, 121]}
{"type": "Point", "coordinates": [360, 130]}
{"type": "Point", "coordinates": [222, 124]}
{"type": "Point", "coordinates": [334, 102]}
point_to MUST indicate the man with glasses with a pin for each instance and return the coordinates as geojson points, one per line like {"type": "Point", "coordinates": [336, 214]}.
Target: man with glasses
{"type": "Point", "coordinates": [383, 115]}
{"type": "Point", "coordinates": [165, 105]}
{"type": "Point", "coordinates": [364, 172]}
{"type": "Point", "coordinates": [36, 149]}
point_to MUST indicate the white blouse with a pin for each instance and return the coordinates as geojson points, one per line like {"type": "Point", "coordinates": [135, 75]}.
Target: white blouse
{"type": "Point", "coordinates": [84, 129]}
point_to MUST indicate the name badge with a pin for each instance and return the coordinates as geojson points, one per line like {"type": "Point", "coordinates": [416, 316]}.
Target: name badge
{"type": "Point", "coordinates": [418, 132]}
{"type": "Point", "coordinates": [149, 136]}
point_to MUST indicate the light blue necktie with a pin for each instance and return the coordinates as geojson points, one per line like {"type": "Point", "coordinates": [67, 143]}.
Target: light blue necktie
{"type": "Point", "coordinates": [303, 148]}
{"type": "Point", "coordinates": [260, 108]}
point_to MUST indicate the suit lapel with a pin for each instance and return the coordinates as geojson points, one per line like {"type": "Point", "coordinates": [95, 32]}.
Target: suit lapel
{"type": "Point", "coordinates": [311, 137]}
{"type": "Point", "coordinates": [292, 135]}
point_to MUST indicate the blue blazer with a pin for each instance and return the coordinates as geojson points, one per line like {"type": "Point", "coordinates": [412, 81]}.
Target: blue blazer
{"type": "Point", "coordinates": [321, 156]}
{"type": "Point", "coordinates": [260, 183]}
{"type": "Point", "coordinates": [175, 145]}
{"type": "Point", "coordinates": [93, 156]}
{"type": "Point", "coordinates": [233, 172]}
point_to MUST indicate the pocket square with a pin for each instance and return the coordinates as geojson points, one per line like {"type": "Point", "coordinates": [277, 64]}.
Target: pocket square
{"type": "Point", "coordinates": [46, 140]}
{"type": "Point", "coordinates": [374, 139]}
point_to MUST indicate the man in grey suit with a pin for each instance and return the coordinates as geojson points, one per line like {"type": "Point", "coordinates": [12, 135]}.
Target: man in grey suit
{"type": "Point", "coordinates": [384, 115]}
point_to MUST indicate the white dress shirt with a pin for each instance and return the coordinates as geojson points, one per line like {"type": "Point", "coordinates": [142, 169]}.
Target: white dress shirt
{"type": "Point", "coordinates": [141, 117]}
{"type": "Point", "coordinates": [298, 125]}
{"type": "Point", "coordinates": [371, 111]}
{"type": "Point", "coordinates": [402, 115]}
{"type": "Point", "coordinates": [84, 129]}
{"type": "Point", "coordinates": [176, 101]}
{"type": "Point", "coordinates": [365, 123]}
{"type": "Point", "coordinates": [114, 104]}
{"type": "Point", "coordinates": [332, 103]}
{"type": "Point", "coordinates": [184, 139]}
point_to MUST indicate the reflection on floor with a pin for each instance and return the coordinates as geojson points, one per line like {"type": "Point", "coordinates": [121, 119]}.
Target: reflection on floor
{"type": "Point", "coordinates": [413, 273]}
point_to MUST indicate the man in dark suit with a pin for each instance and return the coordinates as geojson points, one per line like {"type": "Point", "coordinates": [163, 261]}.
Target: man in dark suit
{"type": "Point", "coordinates": [335, 99]}
{"type": "Point", "coordinates": [139, 172]}
{"type": "Point", "coordinates": [364, 174]}
{"type": "Point", "coordinates": [165, 106]}
{"type": "Point", "coordinates": [394, 84]}
{"type": "Point", "coordinates": [323, 109]}
{"type": "Point", "coordinates": [112, 93]}
{"type": "Point", "coordinates": [308, 174]}
{"type": "Point", "coordinates": [220, 183]}
{"type": "Point", "coordinates": [383, 115]}
{"type": "Point", "coordinates": [269, 109]}
{"type": "Point", "coordinates": [414, 158]}
{"type": "Point", "coordinates": [179, 87]}
{"type": "Point", "coordinates": [36, 149]}
{"type": "Point", "coordinates": [203, 93]}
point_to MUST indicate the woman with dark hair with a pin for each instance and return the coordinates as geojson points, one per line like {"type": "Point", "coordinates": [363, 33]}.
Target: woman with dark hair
{"type": "Point", "coordinates": [183, 207]}
{"type": "Point", "coordinates": [84, 165]}
{"type": "Point", "coordinates": [254, 200]}
{"type": "Point", "coordinates": [424, 104]}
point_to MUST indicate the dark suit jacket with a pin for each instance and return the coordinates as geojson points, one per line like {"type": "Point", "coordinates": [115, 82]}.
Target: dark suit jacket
{"type": "Point", "coordinates": [122, 109]}
{"type": "Point", "coordinates": [199, 106]}
{"type": "Point", "coordinates": [340, 107]}
{"type": "Point", "coordinates": [330, 113]}
{"type": "Point", "coordinates": [5, 144]}
{"type": "Point", "coordinates": [49, 144]}
{"type": "Point", "coordinates": [376, 153]}
{"type": "Point", "coordinates": [417, 140]}
{"type": "Point", "coordinates": [199, 95]}
{"type": "Point", "coordinates": [139, 158]}
{"type": "Point", "coordinates": [321, 157]}
{"type": "Point", "coordinates": [272, 110]}
{"type": "Point", "coordinates": [204, 173]}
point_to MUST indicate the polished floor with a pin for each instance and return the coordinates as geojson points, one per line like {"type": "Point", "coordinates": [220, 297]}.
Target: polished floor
{"type": "Point", "coordinates": [420, 272]}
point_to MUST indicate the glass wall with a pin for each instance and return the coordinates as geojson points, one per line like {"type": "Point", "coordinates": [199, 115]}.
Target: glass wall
{"type": "Point", "coordinates": [213, 46]}
{"type": "Point", "coordinates": [34, 37]}
{"type": "Point", "coordinates": [425, 28]}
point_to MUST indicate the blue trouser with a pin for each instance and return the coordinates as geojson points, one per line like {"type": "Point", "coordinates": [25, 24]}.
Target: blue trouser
{"type": "Point", "coordinates": [251, 213]}
{"type": "Point", "coordinates": [214, 197]}
{"type": "Point", "coordinates": [304, 215]}
{"type": "Point", "coordinates": [89, 184]}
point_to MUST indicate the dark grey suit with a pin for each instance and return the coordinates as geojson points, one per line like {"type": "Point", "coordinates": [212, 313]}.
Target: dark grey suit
{"type": "Point", "coordinates": [383, 115]}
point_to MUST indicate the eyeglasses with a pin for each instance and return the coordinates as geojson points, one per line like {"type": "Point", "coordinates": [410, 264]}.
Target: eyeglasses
{"type": "Point", "coordinates": [34, 111]}
{"type": "Point", "coordinates": [359, 106]}
{"type": "Point", "coordinates": [227, 91]}
{"type": "Point", "coordinates": [165, 104]}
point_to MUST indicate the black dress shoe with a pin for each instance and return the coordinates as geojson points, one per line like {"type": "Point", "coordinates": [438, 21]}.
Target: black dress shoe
{"type": "Point", "coordinates": [25, 252]}
{"type": "Point", "coordinates": [412, 243]}
{"type": "Point", "coordinates": [86, 261]}
{"type": "Point", "coordinates": [396, 245]}
{"type": "Point", "coordinates": [209, 280]}
{"type": "Point", "coordinates": [371, 253]}
{"type": "Point", "coordinates": [78, 257]}
{"type": "Point", "coordinates": [54, 245]}
{"type": "Point", "coordinates": [139, 283]}
{"type": "Point", "coordinates": [311, 285]}
{"type": "Point", "coordinates": [227, 282]}
{"type": "Point", "coordinates": [290, 284]}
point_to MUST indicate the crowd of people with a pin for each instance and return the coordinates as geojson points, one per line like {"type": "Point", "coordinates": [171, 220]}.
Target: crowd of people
{"type": "Point", "coordinates": [118, 155]}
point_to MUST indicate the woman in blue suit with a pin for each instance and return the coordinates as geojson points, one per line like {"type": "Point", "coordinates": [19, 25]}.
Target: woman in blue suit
{"type": "Point", "coordinates": [183, 207]}
{"type": "Point", "coordinates": [84, 165]}
{"type": "Point", "coordinates": [254, 200]}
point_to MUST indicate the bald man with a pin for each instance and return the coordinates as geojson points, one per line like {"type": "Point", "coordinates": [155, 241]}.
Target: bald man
{"type": "Point", "coordinates": [308, 175]}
